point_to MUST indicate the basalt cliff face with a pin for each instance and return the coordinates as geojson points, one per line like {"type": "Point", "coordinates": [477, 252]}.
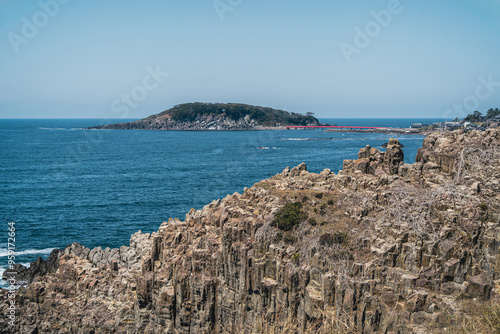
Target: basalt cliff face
{"type": "Point", "coordinates": [380, 247]}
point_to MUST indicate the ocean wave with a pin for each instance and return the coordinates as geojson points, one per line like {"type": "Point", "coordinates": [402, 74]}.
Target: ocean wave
{"type": "Point", "coordinates": [3, 283]}
{"type": "Point", "coordinates": [4, 267]}
{"type": "Point", "coordinates": [5, 252]}
{"type": "Point", "coordinates": [63, 129]}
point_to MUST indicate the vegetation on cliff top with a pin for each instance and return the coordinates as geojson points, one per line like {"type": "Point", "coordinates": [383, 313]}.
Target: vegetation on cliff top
{"type": "Point", "coordinates": [289, 216]}
{"type": "Point", "coordinates": [477, 117]}
{"type": "Point", "coordinates": [189, 112]}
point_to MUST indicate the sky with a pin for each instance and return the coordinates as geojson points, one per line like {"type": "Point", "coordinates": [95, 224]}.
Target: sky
{"type": "Point", "coordinates": [131, 59]}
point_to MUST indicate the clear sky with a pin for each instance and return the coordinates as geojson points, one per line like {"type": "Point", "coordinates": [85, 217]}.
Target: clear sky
{"type": "Point", "coordinates": [111, 59]}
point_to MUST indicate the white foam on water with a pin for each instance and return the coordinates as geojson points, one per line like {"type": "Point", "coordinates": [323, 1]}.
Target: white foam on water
{"type": "Point", "coordinates": [3, 283]}
{"type": "Point", "coordinates": [5, 252]}
{"type": "Point", "coordinates": [63, 129]}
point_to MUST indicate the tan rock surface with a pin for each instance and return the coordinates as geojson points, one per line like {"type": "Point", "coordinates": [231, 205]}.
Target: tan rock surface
{"type": "Point", "coordinates": [396, 250]}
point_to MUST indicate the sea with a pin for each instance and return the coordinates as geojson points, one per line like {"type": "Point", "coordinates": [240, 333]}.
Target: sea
{"type": "Point", "coordinates": [61, 183]}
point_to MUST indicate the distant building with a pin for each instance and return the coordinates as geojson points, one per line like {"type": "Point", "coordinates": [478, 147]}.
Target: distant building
{"type": "Point", "coordinates": [438, 125]}
{"type": "Point", "coordinates": [469, 125]}
{"type": "Point", "coordinates": [418, 126]}
{"type": "Point", "coordinates": [494, 122]}
{"type": "Point", "coordinates": [452, 125]}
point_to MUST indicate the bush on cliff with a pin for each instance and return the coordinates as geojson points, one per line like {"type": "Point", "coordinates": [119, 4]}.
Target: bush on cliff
{"type": "Point", "coordinates": [289, 216]}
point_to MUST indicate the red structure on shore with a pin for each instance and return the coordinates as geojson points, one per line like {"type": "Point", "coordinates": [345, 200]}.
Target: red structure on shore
{"type": "Point", "coordinates": [333, 127]}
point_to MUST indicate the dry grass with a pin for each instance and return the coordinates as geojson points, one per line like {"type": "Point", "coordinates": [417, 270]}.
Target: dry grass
{"type": "Point", "coordinates": [328, 322]}
{"type": "Point", "coordinates": [474, 160]}
{"type": "Point", "coordinates": [481, 318]}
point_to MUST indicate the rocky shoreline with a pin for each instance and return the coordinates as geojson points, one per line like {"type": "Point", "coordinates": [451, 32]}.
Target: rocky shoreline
{"type": "Point", "coordinates": [380, 247]}
{"type": "Point", "coordinates": [202, 123]}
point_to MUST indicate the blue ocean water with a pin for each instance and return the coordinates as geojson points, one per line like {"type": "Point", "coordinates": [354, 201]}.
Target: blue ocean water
{"type": "Point", "coordinates": [62, 184]}
{"type": "Point", "coordinates": [382, 122]}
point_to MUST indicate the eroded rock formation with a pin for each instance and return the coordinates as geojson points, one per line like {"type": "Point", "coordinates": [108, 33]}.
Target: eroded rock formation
{"type": "Point", "coordinates": [372, 161]}
{"type": "Point", "coordinates": [386, 247]}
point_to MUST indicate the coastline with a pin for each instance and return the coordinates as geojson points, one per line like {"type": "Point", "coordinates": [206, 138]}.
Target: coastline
{"type": "Point", "coordinates": [387, 131]}
{"type": "Point", "coordinates": [291, 241]}
{"type": "Point", "coordinates": [283, 128]}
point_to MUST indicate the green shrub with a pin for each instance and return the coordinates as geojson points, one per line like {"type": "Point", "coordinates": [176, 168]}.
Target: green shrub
{"type": "Point", "coordinates": [330, 202]}
{"type": "Point", "coordinates": [313, 221]}
{"type": "Point", "coordinates": [319, 195]}
{"type": "Point", "coordinates": [305, 199]}
{"type": "Point", "coordinates": [289, 239]}
{"type": "Point", "coordinates": [340, 237]}
{"type": "Point", "coordinates": [289, 216]}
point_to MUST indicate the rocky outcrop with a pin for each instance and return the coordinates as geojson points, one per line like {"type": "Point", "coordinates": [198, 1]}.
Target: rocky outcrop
{"type": "Point", "coordinates": [378, 252]}
{"type": "Point", "coordinates": [25, 275]}
{"type": "Point", "coordinates": [372, 161]}
{"type": "Point", "coordinates": [394, 156]}
{"type": "Point", "coordinates": [201, 123]}
{"type": "Point", "coordinates": [445, 150]}
{"type": "Point", "coordinates": [126, 257]}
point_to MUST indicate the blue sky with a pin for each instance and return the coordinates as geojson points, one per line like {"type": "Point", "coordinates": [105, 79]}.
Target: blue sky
{"type": "Point", "coordinates": [94, 59]}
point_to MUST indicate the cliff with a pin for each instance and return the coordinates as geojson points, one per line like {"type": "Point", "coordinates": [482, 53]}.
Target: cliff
{"type": "Point", "coordinates": [216, 116]}
{"type": "Point", "coordinates": [380, 247]}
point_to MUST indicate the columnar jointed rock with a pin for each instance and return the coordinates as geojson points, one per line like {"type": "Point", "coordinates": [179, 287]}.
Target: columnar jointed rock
{"type": "Point", "coordinates": [377, 253]}
{"type": "Point", "coordinates": [394, 156]}
{"type": "Point", "coordinates": [372, 161]}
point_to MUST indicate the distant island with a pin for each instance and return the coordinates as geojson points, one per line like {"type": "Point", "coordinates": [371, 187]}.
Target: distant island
{"type": "Point", "coordinates": [216, 116]}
